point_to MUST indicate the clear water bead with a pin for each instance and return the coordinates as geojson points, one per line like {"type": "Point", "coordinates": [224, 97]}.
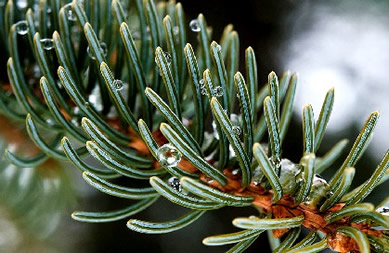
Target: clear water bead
{"type": "Point", "coordinates": [168, 155]}
{"type": "Point", "coordinates": [218, 91]}
{"type": "Point", "coordinates": [118, 84]}
{"type": "Point", "coordinates": [194, 25]}
{"type": "Point", "coordinates": [47, 43]}
{"type": "Point", "coordinates": [237, 130]}
{"type": "Point", "coordinates": [175, 184]}
{"type": "Point", "coordinates": [218, 48]}
{"type": "Point", "coordinates": [69, 12]}
{"type": "Point", "coordinates": [21, 27]}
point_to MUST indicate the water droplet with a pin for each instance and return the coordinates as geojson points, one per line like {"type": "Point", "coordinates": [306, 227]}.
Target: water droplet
{"type": "Point", "coordinates": [176, 30]}
{"type": "Point", "coordinates": [49, 10]}
{"type": "Point", "coordinates": [175, 184]}
{"type": "Point", "coordinates": [383, 210]}
{"type": "Point", "coordinates": [21, 27]}
{"type": "Point", "coordinates": [218, 91]}
{"type": "Point", "coordinates": [21, 4]}
{"type": "Point", "coordinates": [201, 82]}
{"type": "Point", "coordinates": [69, 12]}
{"type": "Point", "coordinates": [194, 25]}
{"type": "Point", "coordinates": [118, 84]}
{"type": "Point", "coordinates": [251, 217]}
{"type": "Point", "coordinates": [168, 155]}
{"type": "Point", "coordinates": [237, 130]}
{"type": "Point", "coordinates": [218, 48]}
{"type": "Point", "coordinates": [47, 43]}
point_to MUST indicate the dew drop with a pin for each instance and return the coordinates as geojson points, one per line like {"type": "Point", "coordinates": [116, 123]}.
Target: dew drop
{"type": "Point", "coordinates": [69, 12]}
{"type": "Point", "coordinates": [236, 130]}
{"type": "Point", "coordinates": [175, 184]}
{"type": "Point", "coordinates": [176, 30]}
{"type": "Point", "coordinates": [49, 10]}
{"type": "Point", "coordinates": [168, 155]}
{"type": "Point", "coordinates": [47, 43]}
{"type": "Point", "coordinates": [21, 27]}
{"type": "Point", "coordinates": [218, 91]}
{"type": "Point", "coordinates": [194, 25]}
{"type": "Point", "coordinates": [218, 48]}
{"type": "Point", "coordinates": [252, 217]}
{"type": "Point", "coordinates": [118, 84]}
{"type": "Point", "coordinates": [201, 82]}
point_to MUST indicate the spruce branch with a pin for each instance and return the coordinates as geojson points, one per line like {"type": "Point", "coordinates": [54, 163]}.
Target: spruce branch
{"type": "Point", "coordinates": [124, 85]}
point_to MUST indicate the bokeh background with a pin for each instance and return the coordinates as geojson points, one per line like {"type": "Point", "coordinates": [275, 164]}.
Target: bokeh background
{"type": "Point", "coordinates": [341, 44]}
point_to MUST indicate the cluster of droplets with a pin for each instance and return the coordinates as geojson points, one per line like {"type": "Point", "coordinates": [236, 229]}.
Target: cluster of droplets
{"type": "Point", "coordinates": [103, 50]}
{"type": "Point", "coordinates": [168, 155]}
{"type": "Point", "coordinates": [194, 25]}
{"type": "Point", "coordinates": [174, 182]}
{"type": "Point", "coordinates": [217, 91]}
{"type": "Point", "coordinates": [21, 27]}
